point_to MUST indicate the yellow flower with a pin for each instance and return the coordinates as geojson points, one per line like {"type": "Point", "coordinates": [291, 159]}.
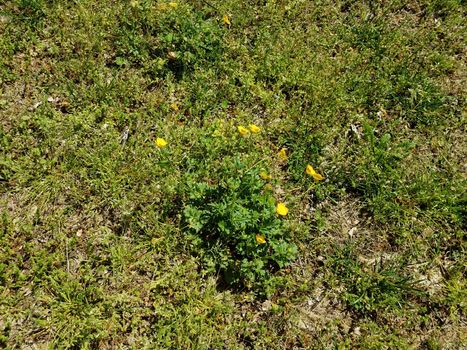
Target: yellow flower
{"type": "Point", "coordinates": [282, 154]}
{"type": "Point", "coordinates": [173, 5]}
{"type": "Point", "coordinates": [264, 175]}
{"type": "Point", "coordinates": [254, 129]}
{"type": "Point", "coordinates": [160, 142]}
{"type": "Point", "coordinates": [174, 106]}
{"type": "Point", "coordinates": [310, 171]}
{"type": "Point", "coordinates": [260, 239]}
{"type": "Point", "coordinates": [242, 130]}
{"type": "Point", "coordinates": [281, 209]}
{"type": "Point", "coordinates": [226, 20]}
{"type": "Point", "coordinates": [134, 3]}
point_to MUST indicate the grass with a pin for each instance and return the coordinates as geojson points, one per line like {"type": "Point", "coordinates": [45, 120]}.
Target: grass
{"type": "Point", "coordinates": [96, 247]}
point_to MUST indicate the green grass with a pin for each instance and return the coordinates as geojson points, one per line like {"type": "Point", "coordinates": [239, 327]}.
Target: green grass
{"type": "Point", "coordinates": [108, 241]}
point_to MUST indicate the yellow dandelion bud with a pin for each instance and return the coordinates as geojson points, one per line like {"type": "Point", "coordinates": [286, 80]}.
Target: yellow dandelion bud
{"type": "Point", "coordinates": [226, 20]}
{"type": "Point", "coordinates": [282, 154]}
{"type": "Point", "coordinates": [310, 171]}
{"type": "Point", "coordinates": [268, 187]}
{"type": "Point", "coordinates": [281, 209]}
{"type": "Point", "coordinates": [160, 142]}
{"type": "Point", "coordinates": [242, 130]}
{"type": "Point", "coordinates": [254, 129]}
{"type": "Point", "coordinates": [265, 176]}
{"type": "Point", "coordinates": [260, 239]}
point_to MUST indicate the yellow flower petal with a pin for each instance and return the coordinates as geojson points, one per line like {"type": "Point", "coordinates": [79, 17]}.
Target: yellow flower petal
{"type": "Point", "coordinates": [310, 171]}
{"type": "Point", "coordinates": [242, 130]}
{"type": "Point", "coordinates": [282, 154]}
{"type": "Point", "coordinates": [264, 175]}
{"type": "Point", "coordinates": [281, 209]}
{"type": "Point", "coordinates": [260, 239]}
{"type": "Point", "coordinates": [226, 20]}
{"type": "Point", "coordinates": [254, 129]}
{"type": "Point", "coordinates": [318, 177]}
{"type": "Point", "coordinates": [160, 142]}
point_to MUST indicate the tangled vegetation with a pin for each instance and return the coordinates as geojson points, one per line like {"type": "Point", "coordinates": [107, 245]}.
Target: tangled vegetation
{"type": "Point", "coordinates": [280, 174]}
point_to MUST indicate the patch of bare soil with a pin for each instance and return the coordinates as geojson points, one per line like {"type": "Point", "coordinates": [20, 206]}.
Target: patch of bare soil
{"type": "Point", "coordinates": [322, 311]}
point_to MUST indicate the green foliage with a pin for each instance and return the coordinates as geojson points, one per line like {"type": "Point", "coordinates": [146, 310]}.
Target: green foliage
{"type": "Point", "coordinates": [31, 11]}
{"type": "Point", "coordinates": [225, 212]}
{"type": "Point", "coordinates": [107, 241]}
{"type": "Point", "coordinates": [376, 288]}
{"type": "Point", "coordinates": [168, 39]}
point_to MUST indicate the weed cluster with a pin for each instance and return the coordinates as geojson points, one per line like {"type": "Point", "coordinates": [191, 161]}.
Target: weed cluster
{"type": "Point", "coordinates": [140, 207]}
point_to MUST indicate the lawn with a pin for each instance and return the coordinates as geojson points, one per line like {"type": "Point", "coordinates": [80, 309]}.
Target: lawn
{"type": "Point", "coordinates": [233, 174]}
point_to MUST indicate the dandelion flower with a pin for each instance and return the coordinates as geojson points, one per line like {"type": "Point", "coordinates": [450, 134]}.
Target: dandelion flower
{"type": "Point", "coordinates": [254, 129]}
{"type": "Point", "coordinates": [160, 142]}
{"type": "Point", "coordinates": [242, 130]}
{"type": "Point", "coordinates": [260, 239]}
{"type": "Point", "coordinates": [265, 176]}
{"type": "Point", "coordinates": [282, 154]}
{"type": "Point", "coordinates": [281, 209]}
{"type": "Point", "coordinates": [310, 171]}
{"type": "Point", "coordinates": [226, 20]}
